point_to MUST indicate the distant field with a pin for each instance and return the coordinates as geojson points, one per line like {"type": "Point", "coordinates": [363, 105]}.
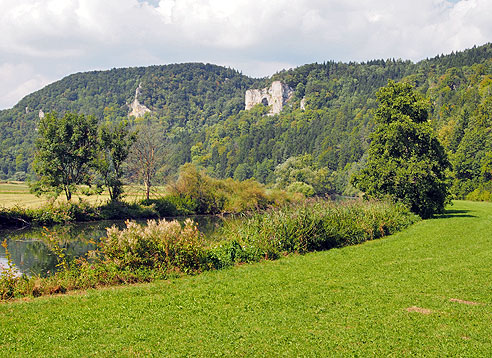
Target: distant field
{"type": "Point", "coordinates": [17, 194]}
{"type": "Point", "coordinates": [425, 292]}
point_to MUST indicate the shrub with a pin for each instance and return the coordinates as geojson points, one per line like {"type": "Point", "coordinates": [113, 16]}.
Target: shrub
{"type": "Point", "coordinates": [121, 210]}
{"type": "Point", "coordinates": [480, 194]}
{"type": "Point", "coordinates": [311, 226]}
{"type": "Point", "coordinates": [206, 192]}
{"type": "Point", "coordinates": [163, 206]}
{"type": "Point", "coordinates": [144, 253]}
{"type": "Point", "coordinates": [161, 244]}
{"type": "Point", "coordinates": [300, 187]}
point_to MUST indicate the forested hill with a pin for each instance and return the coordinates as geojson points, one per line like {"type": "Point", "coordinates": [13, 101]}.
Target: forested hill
{"type": "Point", "coordinates": [180, 96]}
{"type": "Point", "coordinates": [200, 109]}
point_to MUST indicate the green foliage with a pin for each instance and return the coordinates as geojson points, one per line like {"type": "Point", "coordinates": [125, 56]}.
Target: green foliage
{"type": "Point", "coordinates": [355, 301]}
{"type": "Point", "coordinates": [205, 195]}
{"type": "Point", "coordinates": [195, 184]}
{"type": "Point", "coordinates": [302, 174]}
{"type": "Point", "coordinates": [9, 278]}
{"type": "Point", "coordinates": [406, 161]}
{"type": "Point", "coordinates": [119, 210]}
{"type": "Point", "coordinates": [66, 149]}
{"type": "Point", "coordinates": [49, 214]}
{"type": "Point", "coordinates": [301, 187]}
{"type": "Point", "coordinates": [310, 226]}
{"type": "Point", "coordinates": [480, 194]}
{"type": "Point", "coordinates": [193, 193]}
{"type": "Point", "coordinates": [115, 142]}
{"type": "Point", "coordinates": [163, 248]}
{"type": "Point", "coordinates": [162, 245]}
{"type": "Point", "coordinates": [199, 108]}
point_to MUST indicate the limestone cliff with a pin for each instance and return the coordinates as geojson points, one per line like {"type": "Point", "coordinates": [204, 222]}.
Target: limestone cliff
{"type": "Point", "coordinates": [136, 109]}
{"type": "Point", "coordinates": [275, 96]}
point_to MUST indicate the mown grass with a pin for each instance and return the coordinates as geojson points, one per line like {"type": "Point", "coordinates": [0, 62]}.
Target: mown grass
{"type": "Point", "coordinates": [164, 248]}
{"type": "Point", "coordinates": [351, 301]}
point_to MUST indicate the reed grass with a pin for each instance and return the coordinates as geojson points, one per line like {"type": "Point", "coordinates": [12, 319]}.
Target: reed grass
{"type": "Point", "coordinates": [164, 248]}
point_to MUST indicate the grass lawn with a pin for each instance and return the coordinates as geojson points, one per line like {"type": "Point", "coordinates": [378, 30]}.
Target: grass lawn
{"type": "Point", "coordinates": [424, 292]}
{"type": "Point", "coordinates": [17, 194]}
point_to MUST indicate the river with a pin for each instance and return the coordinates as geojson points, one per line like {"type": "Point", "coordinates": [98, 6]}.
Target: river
{"type": "Point", "coordinates": [32, 256]}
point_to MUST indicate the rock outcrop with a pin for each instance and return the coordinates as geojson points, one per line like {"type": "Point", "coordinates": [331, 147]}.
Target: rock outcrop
{"type": "Point", "coordinates": [276, 96]}
{"type": "Point", "coordinates": [136, 109]}
{"type": "Point", "coordinates": [303, 104]}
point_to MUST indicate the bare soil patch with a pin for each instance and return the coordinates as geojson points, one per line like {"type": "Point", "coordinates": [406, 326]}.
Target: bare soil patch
{"type": "Point", "coordinates": [457, 300]}
{"type": "Point", "coordinates": [419, 310]}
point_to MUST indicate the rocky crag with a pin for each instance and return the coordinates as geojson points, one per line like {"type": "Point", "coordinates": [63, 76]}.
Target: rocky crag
{"type": "Point", "coordinates": [276, 96]}
{"type": "Point", "coordinates": [136, 109]}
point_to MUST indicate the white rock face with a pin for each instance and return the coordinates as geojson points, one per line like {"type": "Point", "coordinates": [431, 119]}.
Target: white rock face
{"type": "Point", "coordinates": [276, 96]}
{"type": "Point", "coordinates": [136, 109]}
{"type": "Point", "coordinates": [303, 104]}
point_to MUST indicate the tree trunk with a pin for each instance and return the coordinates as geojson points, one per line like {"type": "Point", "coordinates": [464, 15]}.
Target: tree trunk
{"type": "Point", "coordinates": [68, 193]}
{"type": "Point", "coordinates": [147, 189]}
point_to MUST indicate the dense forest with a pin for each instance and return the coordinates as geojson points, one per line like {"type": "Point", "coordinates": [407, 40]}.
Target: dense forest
{"type": "Point", "coordinates": [199, 111]}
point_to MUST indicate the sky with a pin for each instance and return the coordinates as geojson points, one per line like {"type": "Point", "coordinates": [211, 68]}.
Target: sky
{"type": "Point", "coordinates": [43, 41]}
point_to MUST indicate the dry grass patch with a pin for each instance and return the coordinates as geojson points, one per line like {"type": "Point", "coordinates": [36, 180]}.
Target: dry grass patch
{"type": "Point", "coordinates": [457, 300]}
{"type": "Point", "coordinates": [419, 310]}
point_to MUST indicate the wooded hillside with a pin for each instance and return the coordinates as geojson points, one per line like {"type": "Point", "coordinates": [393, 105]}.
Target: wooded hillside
{"type": "Point", "coordinates": [199, 109]}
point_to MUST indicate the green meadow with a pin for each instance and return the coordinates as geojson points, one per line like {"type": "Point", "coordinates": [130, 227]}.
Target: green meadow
{"type": "Point", "coordinates": [16, 194]}
{"type": "Point", "coordinates": [426, 291]}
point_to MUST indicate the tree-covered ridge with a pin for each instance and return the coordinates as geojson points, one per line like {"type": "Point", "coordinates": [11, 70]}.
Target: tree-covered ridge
{"type": "Point", "coordinates": [462, 115]}
{"type": "Point", "coordinates": [179, 95]}
{"type": "Point", "coordinates": [195, 94]}
{"type": "Point", "coordinates": [335, 126]}
{"type": "Point", "coordinates": [199, 108]}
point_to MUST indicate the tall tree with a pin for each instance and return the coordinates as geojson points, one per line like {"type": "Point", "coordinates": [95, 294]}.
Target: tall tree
{"type": "Point", "coordinates": [65, 151]}
{"type": "Point", "coordinates": [115, 142]}
{"type": "Point", "coordinates": [146, 155]}
{"type": "Point", "coordinates": [406, 161]}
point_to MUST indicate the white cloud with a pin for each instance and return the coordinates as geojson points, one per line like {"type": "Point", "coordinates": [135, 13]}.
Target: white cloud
{"type": "Point", "coordinates": [18, 80]}
{"type": "Point", "coordinates": [58, 37]}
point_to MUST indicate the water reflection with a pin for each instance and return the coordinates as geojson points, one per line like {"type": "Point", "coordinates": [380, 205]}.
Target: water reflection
{"type": "Point", "coordinates": [32, 256]}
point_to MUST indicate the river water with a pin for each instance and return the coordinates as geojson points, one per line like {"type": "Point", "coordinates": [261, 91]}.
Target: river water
{"type": "Point", "coordinates": [32, 256]}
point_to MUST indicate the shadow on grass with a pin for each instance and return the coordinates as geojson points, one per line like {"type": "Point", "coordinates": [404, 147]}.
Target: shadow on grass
{"type": "Point", "coordinates": [454, 214]}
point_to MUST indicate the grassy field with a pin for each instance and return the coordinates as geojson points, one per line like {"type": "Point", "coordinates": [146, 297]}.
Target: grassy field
{"type": "Point", "coordinates": [426, 291]}
{"type": "Point", "coordinates": [17, 194]}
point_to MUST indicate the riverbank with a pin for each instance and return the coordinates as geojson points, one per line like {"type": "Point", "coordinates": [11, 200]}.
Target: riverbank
{"type": "Point", "coordinates": [422, 292]}
{"type": "Point", "coordinates": [166, 248]}
{"type": "Point", "coordinates": [194, 193]}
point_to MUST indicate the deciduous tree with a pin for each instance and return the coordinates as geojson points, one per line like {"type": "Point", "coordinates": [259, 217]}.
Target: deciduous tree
{"type": "Point", "coordinates": [147, 155]}
{"type": "Point", "coordinates": [115, 142]}
{"type": "Point", "coordinates": [65, 151]}
{"type": "Point", "coordinates": [406, 161]}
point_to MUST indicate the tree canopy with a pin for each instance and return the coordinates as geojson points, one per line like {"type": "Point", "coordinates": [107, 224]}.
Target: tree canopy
{"type": "Point", "coordinates": [405, 160]}
{"type": "Point", "coordinates": [66, 149]}
{"type": "Point", "coordinates": [200, 109]}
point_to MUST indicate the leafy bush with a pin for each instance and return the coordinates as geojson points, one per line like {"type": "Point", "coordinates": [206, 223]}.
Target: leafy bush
{"type": "Point", "coordinates": [205, 195]}
{"type": "Point", "coordinates": [121, 210]}
{"type": "Point", "coordinates": [160, 245]}
{"type": "Point", "coordinates": [300, 187]}
{"type": "Point", "coordinates": [311, 226]}
{"type": "Point", "coordinates": [162, 248]}
{"type": "Point", "coordinates": [163, 206]}
{"type": "Point", "coordinates": [49, 214]}
{"type": "Point", "coordinates": [480, 194]}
